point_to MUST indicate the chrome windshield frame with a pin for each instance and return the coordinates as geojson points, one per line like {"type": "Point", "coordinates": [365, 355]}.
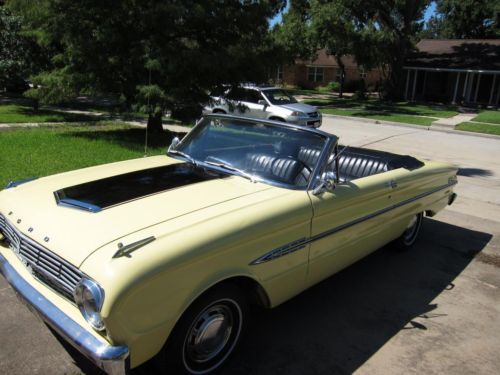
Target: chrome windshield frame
{"type": "Point", "coordinates": [330, 142]}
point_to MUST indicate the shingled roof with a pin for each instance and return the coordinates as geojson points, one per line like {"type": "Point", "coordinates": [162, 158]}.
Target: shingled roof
{"type": "Point", "coordinates": [470, 54]}
{"type": "Point", "coordinates": [323, 59]}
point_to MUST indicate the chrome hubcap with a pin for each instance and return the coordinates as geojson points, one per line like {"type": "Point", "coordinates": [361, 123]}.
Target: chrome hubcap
{"type": "Point", "coordinates": [209, 334]}
{"type": "Point", "coordinates": [412, 229]}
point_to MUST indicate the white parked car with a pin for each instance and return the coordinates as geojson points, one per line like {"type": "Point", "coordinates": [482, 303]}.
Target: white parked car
{"type": "Point", "coordinates": [269, 103]}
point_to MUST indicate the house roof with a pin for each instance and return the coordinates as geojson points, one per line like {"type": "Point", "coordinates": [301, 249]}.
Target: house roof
{"type": "Point", "coordinates": [325, 60]}
{"type": "Point", "coordinates": [470, 54]}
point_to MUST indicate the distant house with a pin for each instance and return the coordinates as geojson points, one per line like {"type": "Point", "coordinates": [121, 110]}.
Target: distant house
{"type": "Point", "coordinates": [454, 71]}
{"type": "Point", "coordinates": [322, 70]}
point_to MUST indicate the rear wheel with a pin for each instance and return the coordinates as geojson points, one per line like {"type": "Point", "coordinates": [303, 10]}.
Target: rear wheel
{"type": "Point", "coordinates": [410, 235]}
{"type": "Point", "coordinates": [219, 111]}
{"type": "Point", "coordinates": [277, 119]}
{"type": "Point", "coordinates": [207, 333]}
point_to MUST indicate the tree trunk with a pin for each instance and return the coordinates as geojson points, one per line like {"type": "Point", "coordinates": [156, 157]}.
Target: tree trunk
{"type": "Point", "coordinates": [36, 104]}
{"type": "Point", "coordinates": [154, 123]}
{"type": "Point", "coordinates": [341, 65]}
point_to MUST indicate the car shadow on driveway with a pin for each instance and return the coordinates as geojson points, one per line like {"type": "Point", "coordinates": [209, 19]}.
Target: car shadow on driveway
{"type": "Point", "coordinates": [337, 325]}
{"type": "Point", "coordinates": [474, 172]}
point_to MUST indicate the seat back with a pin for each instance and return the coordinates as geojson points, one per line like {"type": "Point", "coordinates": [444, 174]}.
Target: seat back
{"type": "Point", "coordinates": [353, 162]}
{"type": "Point", "coordinates": [287, 170]}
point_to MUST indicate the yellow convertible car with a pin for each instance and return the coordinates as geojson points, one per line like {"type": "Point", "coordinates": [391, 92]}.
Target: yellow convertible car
{"type": "Point", "coordinates": [161, 256]}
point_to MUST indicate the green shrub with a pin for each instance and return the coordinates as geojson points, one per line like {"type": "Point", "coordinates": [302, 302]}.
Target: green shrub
{"type": "Point", "coordinates": [331, 86]}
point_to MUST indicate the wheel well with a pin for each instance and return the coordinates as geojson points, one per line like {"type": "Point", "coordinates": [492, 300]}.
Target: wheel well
{"type": "Point", "coordinates": [218, 111]}
{"type": "Point", "coordinates": [274, 118]}
{"type": "Point", "coordinates": [253, 290]}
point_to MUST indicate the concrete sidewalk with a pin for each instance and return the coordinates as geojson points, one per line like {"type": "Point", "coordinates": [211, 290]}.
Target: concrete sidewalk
{"type": "Point", "coordinates": [451, 122]}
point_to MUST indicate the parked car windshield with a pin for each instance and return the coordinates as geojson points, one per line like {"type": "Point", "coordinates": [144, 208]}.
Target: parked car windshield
{"type": "Point", "coordinates": [274, 154]}
{"type": "Point", "coordinates": [279, 97]}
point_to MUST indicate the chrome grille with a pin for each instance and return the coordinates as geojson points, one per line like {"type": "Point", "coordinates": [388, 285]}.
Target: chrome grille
{"type": "Point", "coordinates": [313, 114]}
{"type": "Point", "coordinates": [43, 264]}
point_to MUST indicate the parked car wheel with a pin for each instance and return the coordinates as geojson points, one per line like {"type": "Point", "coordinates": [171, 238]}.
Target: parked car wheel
{"type": "Point", "coordinates": [276, 119]}
{"type": "Point", "coordinates": [207, 333]}
{"type": "Point", "coordinates": [410, 234]}
{"type": "Point", "coordinates": [219, 111]}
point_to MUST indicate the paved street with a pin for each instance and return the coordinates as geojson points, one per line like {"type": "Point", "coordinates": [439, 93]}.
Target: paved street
{"type": "Point", "coordinates": [432, 310]}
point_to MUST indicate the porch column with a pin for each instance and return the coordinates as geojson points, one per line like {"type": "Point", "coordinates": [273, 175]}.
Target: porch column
{"type": "Point", "coordinates": [415, 76]}
{"type": "Point", "coordinates": [477, 87]}
{"type": "Point", "coordinates": [407, 83]}
{"type": "Point", "coordinates": [466, 82]}
{"type": "Point", "coordinates": [490, 102]}
{"type": "Point", "coordinates": [469, 87]}
{"type": "Point", "coordinates": [425, 82]}
{"type": "Point", "coordinates": [456, 89]}
{"type": "Point", "coordinates": [498, 97]}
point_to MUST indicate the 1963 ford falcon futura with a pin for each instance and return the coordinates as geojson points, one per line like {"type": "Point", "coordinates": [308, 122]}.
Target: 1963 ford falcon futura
{"type": "Point", "coordinates": [163, 255]}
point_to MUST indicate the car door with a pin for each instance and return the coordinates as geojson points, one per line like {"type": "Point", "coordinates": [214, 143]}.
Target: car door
{"type": "Point", "coordinates": [245, 102]}
{"type": "Point", "coordinates": [348, 223]}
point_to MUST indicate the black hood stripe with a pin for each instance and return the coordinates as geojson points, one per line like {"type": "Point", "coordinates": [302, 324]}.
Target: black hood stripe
{"type": "Point", "coordinates": [100, 194]}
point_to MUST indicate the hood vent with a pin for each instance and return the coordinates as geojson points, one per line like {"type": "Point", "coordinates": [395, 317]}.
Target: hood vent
{"type": "Point", "coordinates": [97, 195]}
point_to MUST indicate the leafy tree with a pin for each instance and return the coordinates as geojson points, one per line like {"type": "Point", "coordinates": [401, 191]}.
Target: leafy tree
{"type": "Point", "coordinates": [376, 32]}
{"type": "Point", "coordinates": [333, 28]}
{"type": "Point", "coordinates": [465, 19]}
{"type": "Point", "coordinates": [109, 46]}
{"type": "Point", "coordinates": [20, 56]}
{"type": "Point", "coordinates": [395, 25]}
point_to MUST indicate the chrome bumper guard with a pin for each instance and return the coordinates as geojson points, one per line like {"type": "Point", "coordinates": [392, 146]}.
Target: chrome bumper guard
{"type": "Point", "coordinates": [111, 359]}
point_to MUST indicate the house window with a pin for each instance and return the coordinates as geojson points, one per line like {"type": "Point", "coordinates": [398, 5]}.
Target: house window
{"type": "Point", "coordinates": [314, 74]}
{"type": "Point", "coordinates": [362, 73]}
{"type": "Point", "coordinates": [276, 74]}
{"type": "Point", "coordinates": [279, 74]}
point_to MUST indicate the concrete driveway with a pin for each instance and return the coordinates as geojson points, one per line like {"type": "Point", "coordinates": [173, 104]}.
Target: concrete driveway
{"type": "Point", "coordinates": [433, 310]}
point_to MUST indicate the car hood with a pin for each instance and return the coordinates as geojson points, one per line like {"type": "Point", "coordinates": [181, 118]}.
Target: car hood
{"type": "Point", "coordinates": [301, 107]}
{"type": "Point", "coordinates": [74, 233]}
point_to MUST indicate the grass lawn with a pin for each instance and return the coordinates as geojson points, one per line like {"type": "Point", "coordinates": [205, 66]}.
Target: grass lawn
{"type": "Point", "coordinates": [15, 113]}
{"type": "Point", "coordinates": [479, 128]}
{"type": "Point", "coordinates": [419, 114]}
{"type": "Point", "coordinates": [407, 119]}
{"type": "Point", "coordinates": [52, 149]}
{"type": "Point", "coordinates": [488, 116]}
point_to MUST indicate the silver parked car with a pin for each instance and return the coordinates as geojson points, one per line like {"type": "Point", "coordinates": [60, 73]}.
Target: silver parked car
{"type": "Point", "coordinates": [270, 103]}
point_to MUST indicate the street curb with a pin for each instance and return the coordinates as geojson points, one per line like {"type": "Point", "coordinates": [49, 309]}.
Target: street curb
{"type": "Point", "coordinates": [421, 127]}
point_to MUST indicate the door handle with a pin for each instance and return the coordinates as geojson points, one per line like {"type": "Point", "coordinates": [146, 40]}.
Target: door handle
{"type": "Point", "coordinates": [392, 184]}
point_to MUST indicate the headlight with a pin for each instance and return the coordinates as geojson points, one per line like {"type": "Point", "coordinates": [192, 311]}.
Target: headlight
{"type": "Point", "coordinates": [297, 113]}
{"type": "Point", "coordinates": [89, 298]}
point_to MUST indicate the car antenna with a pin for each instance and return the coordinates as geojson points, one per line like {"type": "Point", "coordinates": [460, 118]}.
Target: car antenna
{"type": "Point", "coordinates": [146, 136]}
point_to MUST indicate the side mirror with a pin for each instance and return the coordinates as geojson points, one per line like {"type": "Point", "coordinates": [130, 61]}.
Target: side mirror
{"type": "Point", "coordinates": [174, 143]}
{"type": "Point", "coordinates": [262, 102]}
{"type": "Point", "coordinates": [327, 183]}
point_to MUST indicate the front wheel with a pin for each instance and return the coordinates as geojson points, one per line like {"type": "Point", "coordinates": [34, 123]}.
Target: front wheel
{"type": "Point", "coordinates": [411, 232]}
{"type": "Point", "coordinates": [207, 333]}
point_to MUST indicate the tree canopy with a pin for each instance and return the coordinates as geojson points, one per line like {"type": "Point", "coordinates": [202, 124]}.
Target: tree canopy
{"type": "Point", "coordinates": [376, 32]}
{"type": "Point", "coordinates": [464, 19]}
{"type": "Point", "coordinates": [20, 56]}
{"type": "Point", "coordinates": [110, 46]}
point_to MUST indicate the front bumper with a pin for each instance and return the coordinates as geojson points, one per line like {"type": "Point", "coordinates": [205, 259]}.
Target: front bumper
{"type": "Point", "coordinates": [111, 359]}
{"type": "Point", "coordinates": [312, 122]}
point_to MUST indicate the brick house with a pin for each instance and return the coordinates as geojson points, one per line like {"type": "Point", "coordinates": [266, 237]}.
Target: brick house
{"type": "Point", "coordinates": [322, 70]}
{"type": "Point", "coordinates": [465, 71]}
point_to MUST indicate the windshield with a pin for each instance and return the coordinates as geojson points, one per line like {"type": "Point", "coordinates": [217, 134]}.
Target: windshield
{"type": "Point", "coordinates": [260, 152]}
{"type": "Point", "coordinates": [279, 97]}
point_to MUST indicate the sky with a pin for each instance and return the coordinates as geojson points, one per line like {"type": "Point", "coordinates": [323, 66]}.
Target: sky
{"type": "Point", "coordinates": [429, 12]}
